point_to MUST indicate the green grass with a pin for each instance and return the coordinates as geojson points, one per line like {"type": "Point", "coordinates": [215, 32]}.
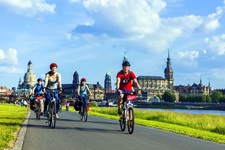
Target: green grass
{"type": "Point", "coordinates": [11, 118]}
{"type": "Point", "coordinates": [207, 127]}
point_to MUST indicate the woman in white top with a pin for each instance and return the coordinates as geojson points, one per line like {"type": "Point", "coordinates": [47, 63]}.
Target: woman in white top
{"type": "Point", "coordinates": [52, 82]}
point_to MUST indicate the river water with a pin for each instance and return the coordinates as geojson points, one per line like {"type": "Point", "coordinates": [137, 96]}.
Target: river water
{"type": "Point", "coordinates": [190, 111]}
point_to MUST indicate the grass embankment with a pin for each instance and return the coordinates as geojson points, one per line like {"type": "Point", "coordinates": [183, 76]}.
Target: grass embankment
{"type": "Point", "coordinates": [207, 127]}
{"type": "Point", "coordinates": [11, 118]}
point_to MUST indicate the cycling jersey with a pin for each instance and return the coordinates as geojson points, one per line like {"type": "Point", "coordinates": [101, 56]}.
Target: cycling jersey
{"type": "Point", "coordinates": [126, 81]}
{"type": "Point", "coordinates": [38, 89]}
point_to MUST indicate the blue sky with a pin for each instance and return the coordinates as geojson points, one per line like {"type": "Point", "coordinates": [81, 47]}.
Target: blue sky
{"type": "Point", "coordinates": [91, 36]}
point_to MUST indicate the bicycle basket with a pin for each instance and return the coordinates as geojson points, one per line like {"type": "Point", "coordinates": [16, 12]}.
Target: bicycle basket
{"type": "Point", "coordinates": [131, 97]}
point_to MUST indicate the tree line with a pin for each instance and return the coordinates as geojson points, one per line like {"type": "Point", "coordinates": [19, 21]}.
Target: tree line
{"type": "Point", "coordinates": [215, 97]}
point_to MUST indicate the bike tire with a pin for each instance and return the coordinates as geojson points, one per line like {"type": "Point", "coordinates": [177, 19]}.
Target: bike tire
{"type": "Point", "coordinates": [38, 113]}
{"type": "Point", "coordinates": [85, 116]}
{"type": "Point", "coordinates": [123, 121]}
{"type": "Point", "coordinates": [49, 116]}
{"type": "Point", "coordinates": [130, 122]}
{"type": "Point", "coordinates": [53, 115]}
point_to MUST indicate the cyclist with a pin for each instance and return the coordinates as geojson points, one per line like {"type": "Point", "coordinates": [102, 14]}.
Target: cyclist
{"type": "Point", "coordinates": [124, 81]}
{"type": "Point", "coordinates": [67, 105]}
{"type": "Point", "coordinates": [52, 82]}
{"type": "Point", "coordinates": [82, 93]}
{"type": "Point", "coordinates": [38, 91]}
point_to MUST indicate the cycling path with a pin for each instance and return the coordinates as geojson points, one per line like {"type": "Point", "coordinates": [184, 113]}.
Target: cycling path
{"type": "Point", "coordinates": [104, 134]}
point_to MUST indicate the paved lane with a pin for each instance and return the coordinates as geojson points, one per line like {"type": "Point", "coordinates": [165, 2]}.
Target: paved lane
{"type": "Point", "coordinates": [104, 134]}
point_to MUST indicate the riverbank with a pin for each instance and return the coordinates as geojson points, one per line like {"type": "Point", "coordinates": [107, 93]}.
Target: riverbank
{"type": "Point", "coordinates": [165, 105]}
{"type": "Point", "coordinates": [207, 127]}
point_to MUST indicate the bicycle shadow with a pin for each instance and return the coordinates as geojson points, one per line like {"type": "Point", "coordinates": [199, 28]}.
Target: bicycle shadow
{"type": "Point", "coordinates": [101, 122]}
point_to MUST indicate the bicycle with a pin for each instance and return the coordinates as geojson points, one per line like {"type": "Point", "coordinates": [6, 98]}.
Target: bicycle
{"type": "Point", "coordinates": [38, 106]}
{"type": "Point", "coordinates": [51, 110]}
{"type": "Point", "coordinates": [127, 117]}
{"type": "Point", "coordinates": [84, 112]}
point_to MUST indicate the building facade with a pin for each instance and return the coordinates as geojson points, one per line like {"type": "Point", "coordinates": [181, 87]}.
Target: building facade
{"type": "Point", "coordinates": [157, 85]}
{"type": "Point", "coordinates": [29, 79]}
{"type": "Point", "coordinates": [193, 89]}
{"type": "Point", "coordinates": [71, 89]}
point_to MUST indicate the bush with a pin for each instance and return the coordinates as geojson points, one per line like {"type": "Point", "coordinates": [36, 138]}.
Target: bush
{"type": "Point", "coordinates": [93, 104]}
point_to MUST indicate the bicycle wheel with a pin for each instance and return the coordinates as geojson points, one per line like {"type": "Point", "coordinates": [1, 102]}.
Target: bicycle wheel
{"type": "Point", "coordinates": [53, 114]}
{"type": "Point", "coordinates": [85, 116]}
{"type": "Point", "coordinates": [130, 122]}
{"type": "Point", "coordinates": [49, 115]}
{"type": "Point", "coordinates": [123, 121]}
{"type": "Point", "coordinates": [38, 112]}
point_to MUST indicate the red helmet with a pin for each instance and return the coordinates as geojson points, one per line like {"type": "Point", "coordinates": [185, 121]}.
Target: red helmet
{"type": "Point", "coordinates": [83, 79]}
{"type": "Point", "coordinates": [53, 65]}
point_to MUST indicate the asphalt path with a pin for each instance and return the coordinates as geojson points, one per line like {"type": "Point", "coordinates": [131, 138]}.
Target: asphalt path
{"type": "Point", "coordinates": [104, 134]}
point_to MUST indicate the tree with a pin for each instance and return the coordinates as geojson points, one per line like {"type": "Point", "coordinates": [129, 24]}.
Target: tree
{"type": "Point", "coordinates": [216, 96]}
{"type": "Point", "coordinates": [168, 97]}
{"type": "Point", "coordinates": [208, 99]}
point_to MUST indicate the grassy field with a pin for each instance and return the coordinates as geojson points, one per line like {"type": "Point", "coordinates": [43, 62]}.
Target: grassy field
{"type": "Point", "coordinates": [11, 118]}
{"type": "Point", "coordinates": [208, 127]}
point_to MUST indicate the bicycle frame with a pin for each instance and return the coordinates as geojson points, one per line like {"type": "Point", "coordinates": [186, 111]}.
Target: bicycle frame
{"type": "Point", "coordinates": [38, 106]}
{"type": "Point", "coordinates": [51, 109]}
{"type": "Point", "coordinates": [127, 117]}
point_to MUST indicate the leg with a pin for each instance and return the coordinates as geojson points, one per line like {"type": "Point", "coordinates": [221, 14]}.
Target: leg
{"type": "Point", "coordinates": [120, 104]}
{"type": "Point", "coordinates": [47, 100]}
{"type": "Point", "coordinates": [57, 102]}
{"type": "Point", "coordinates": [42, 105]}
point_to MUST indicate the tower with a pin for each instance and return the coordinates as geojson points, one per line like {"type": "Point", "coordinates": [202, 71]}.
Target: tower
{"type": "Point", "coordinates": [169, 73]}
{"type": "Point", "coordinates": [125, 57]}
{"type": "Point", "coordinates": [108, 85]}
{"type": "Point", "coordinates": [75, 79]}
{"type": "Point", "coordinates": [29, 77]}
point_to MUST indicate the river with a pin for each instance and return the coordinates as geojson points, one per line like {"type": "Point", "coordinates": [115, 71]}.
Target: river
{"type": "Point", "coordinates": [190, 111]}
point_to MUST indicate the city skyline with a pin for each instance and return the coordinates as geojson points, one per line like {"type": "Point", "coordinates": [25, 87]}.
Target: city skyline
{"type": "Point", "coordinates": [90, 37]}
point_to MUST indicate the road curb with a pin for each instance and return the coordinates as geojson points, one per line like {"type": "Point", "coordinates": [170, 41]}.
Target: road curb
{"type": "Point", "coordinates": [18, 145]}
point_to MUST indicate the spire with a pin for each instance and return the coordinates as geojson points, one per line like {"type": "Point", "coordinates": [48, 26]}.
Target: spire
{"type": "Point", "coordinates": [125, 57]}
{"type": "Point", "coordinates": [168, 60]}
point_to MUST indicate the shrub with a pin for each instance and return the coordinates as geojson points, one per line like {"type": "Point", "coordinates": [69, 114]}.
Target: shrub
{"type": "Point", "coordinates": [93, 104]}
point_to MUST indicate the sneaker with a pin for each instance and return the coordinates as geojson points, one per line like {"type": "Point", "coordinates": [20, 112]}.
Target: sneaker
{"type": "Point", "coordinates": [57, 116]}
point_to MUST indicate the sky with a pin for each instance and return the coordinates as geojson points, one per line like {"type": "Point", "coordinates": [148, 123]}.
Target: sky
{"type": "Point", "coordinates": [91, 37]}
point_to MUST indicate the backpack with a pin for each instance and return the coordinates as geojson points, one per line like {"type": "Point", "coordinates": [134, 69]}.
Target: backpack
{"type": "Point", "coordinates": [76, 105]}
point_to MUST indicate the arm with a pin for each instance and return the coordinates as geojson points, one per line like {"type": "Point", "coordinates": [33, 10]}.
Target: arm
{"type": "Point", "coordinates": [34, 88]}
{"type": "Point", "coordinates": [46, 82]}
{"type": "Point", "coordinates": [89, 90]}
{"type": "Point", "coordinates": [60, 81]}
{"type": "Point", "coordinates": [138, 86]}
{"type": "Point", "coordinates": [118, 80]}
{"type": "Point", "coordinates": [117, 83]}
{"type": "Point", "coordinates": [78, 91]}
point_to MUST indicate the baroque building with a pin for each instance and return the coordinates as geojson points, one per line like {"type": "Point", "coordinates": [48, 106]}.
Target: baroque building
{"type": "Point", "coordinates": [193, 89]}
{"type": "Point", "coordinates": [71, 89]}
{"type": "Point", "coordinates": [157, 85]}
{"type": "Point", "coordinates": [29, 78]}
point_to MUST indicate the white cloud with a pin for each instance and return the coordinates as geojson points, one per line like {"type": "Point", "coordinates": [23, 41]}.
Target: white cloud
{"type": "Point", "coordinates": [29, 7]}
{"type": "Point", "coordinates": [7, 70]}
{"type": "Point", "coordinates": [8, 57]}
{"type": "Point", "coordinates": [212, 20]}
{"type": "Point", "coordinates": [139, 21]}
{"type": "Point", "coordinates": [216, 44]}
{"type": "Point", "coordinates": [188, 55]}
